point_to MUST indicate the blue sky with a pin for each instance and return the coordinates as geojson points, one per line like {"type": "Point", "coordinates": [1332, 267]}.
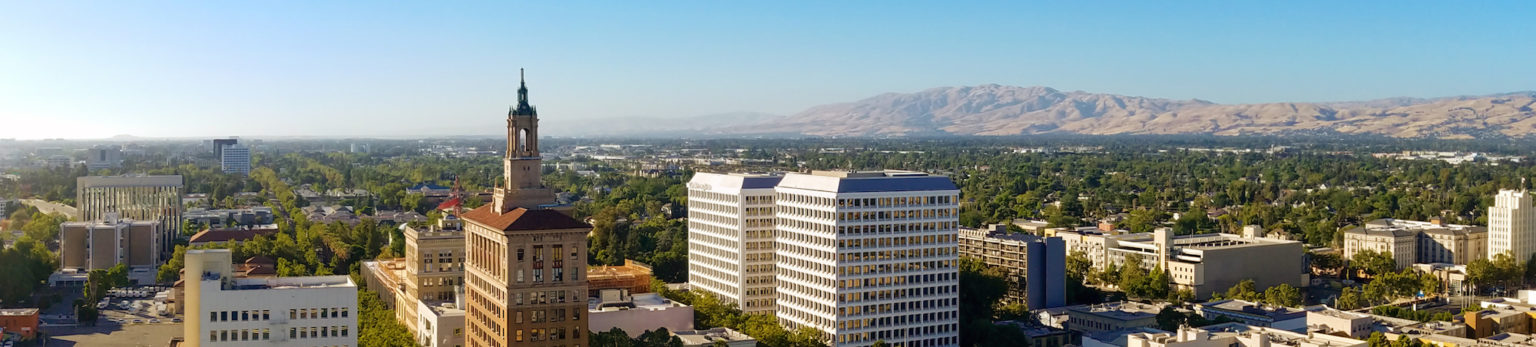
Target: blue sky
{"type": "Point", "coordinates": [335, 68]}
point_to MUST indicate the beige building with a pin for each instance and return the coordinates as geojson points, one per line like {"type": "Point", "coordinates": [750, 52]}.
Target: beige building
{"type": "Point", "coordinates": [422, 286]}
{"type": "Point", "coordinates": [1238, 335]}
{"type": "Point", "coordinates": [137, 197]}
{"type": "Point", "coordinates": [1090, 319]}
{"type": "Point", "coordinates": [89, 246]}
{"type": "Point", "coordinates": [1202, 263]}
{"type": "Point", "coordinates": [1418, 242]}
{"type": "Point", "coordinates": [524, 272]}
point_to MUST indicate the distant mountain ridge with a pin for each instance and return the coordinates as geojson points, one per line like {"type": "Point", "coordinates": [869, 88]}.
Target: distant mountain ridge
{"type": "Point", "coordinates": [1010, 110]}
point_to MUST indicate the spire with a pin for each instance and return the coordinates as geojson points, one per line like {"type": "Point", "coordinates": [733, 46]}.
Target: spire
{"type": "Point", "coordinates": [523, 108]}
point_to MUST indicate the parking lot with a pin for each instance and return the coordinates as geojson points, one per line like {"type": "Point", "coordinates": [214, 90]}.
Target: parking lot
{"type": "Point", "coordinates": [127, 318]}
{"type": "Point", "coordinates": [108, 333]}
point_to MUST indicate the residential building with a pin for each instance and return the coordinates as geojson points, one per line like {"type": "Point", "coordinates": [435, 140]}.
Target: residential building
{"type": "Point", "coordinates": [104, 157]}
{"type": "Point", "coordinates": [1255, 314]}
{"type": "Point", "coordinates": [235, 159]}
{"type": "Point", "coordinates": [1512, 225]}
{"type": "Point", "coordinates": [222, 309]}
{"type": "Point", "coordinates": [868, 256]}
{"type": "Point", "coordinates": [1239, 335]}
{"type": "Point", "coordinates": [137, 197]}
{"type": "Point", "coordinates": [1113, 316]}
{"type": "Point", "coordinates": [1036, 265]}
{"type": "Point", "coordinates": [730, 238]}
{"type": "Point", "coordinates": [714, 337]}
{"type": "Point", "coordinates": [20, 321]}
{"type": "Point", "coordinates": [1201, 263]}
{"type": "Point", "coordinates": [636, 313]}
{"type": "Point", "coordinates": [633, 276]}
{"type": "Point", "coordinates": [1413, 242]}
{"type": "Point", "coordinates": [425, 286]}
{"type": "Point", "coordinates": [519, 251]}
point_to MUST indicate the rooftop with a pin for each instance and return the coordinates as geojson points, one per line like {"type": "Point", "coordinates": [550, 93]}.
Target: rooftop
{"type": "Point", "coordinates": [1253, 308]}
{"type": "Point", "coordinates": [276, 283]}
{"type": "Point", "coordinates": [1399, 228]}
{"type": "Point", "coordinates": [1123, 310]}
{"type": "Point", "coordinates": [520, 219]}
{"type": "Point", "coordinates": [867, 181]}
{"type": "Point", "coordinates": [18, 312]}
{"type": "Point", "coordinates": [705, 337]}
{"type": "Point", "coordinates": [224, 235]}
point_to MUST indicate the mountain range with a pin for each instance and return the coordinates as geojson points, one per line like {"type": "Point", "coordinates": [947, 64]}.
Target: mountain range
{"type": "Point", "coordinates": [1010, 110]}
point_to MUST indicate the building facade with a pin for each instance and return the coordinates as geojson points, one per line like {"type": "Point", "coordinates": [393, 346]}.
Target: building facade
{"type": "Point", "coordinates": [104, 157]}
{"type": "Point", "coordinates": [1413, 242]}
{"type": "Point", "coordinates": [145, 198]}
{"type": "Point", "coordinates": [89, 246]}
{"type": "Point", "coordinates": [235, 159]}
{"type": "Point", "coordinates": [1512, 225]}
{"type": "Point", "coordinates": [1036, 266]}
{"type": "Point", "coordinates": [223, 310]}
{"type": "Point", "coordinates": [868, 256]}
{"type": "Point", "coordinates": [730, 238]}
{"type": "Point", "coordinates": [523, 273]}
{"type": "Point", "coordinates": [1201, 263]}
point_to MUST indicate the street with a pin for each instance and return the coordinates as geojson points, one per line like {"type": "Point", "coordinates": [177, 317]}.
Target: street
{"type": "Point", "coordinates": [51, 207]}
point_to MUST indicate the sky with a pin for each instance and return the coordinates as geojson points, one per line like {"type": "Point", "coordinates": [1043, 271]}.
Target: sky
{"type": "Point", "coordinates": [88, 69]}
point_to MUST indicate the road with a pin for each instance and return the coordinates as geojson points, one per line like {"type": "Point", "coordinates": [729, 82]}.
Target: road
{"type": "Point", "coordinates": [51, 207]}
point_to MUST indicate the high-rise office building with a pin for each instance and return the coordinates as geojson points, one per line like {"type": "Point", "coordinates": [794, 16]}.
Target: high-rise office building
{"type": "Point", "coordinates": [730, 238]}
{"type": "Point", "coordinates": [145, 198]}
{"type": "Point", "coordinates": [869, 256]}
{"type": "Point", "coordinates": [523, 276]}
{"type": "Point", "coordinates": [236, 159]}
{"type": "Point", "coordinates": [219, 144]}
{"type": "Point", "coordinates": [1512, 225]}
{"type": "Point", "coordinates": [225, 310]}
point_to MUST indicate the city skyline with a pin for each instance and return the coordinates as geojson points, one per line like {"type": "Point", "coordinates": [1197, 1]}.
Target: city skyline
{"type": "Point", "coordinates": [347, 70]}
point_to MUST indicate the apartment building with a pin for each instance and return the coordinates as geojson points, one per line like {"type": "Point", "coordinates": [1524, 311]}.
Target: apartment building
{"type": "Point", "coordinates": [730, 238]}
{"type": "Point", "coordinates": [224, 310]}
{"type": "Point", "coordinates": [137, 197]}
{"type": "Point", "coordinates": [1512, 225]}
{"type": "Point", "coordinates": [868, 256]}
{"type": "Point", "coordinates": [1036, 265]}
{"type": "Point", "coordinates": [1202, 263]}
{"type": "Point", "coordinates": [1418, 242]}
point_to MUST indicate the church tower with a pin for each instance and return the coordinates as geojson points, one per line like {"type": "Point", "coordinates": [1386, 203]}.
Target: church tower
{"type": "Point", "coordinates": [522, 166]}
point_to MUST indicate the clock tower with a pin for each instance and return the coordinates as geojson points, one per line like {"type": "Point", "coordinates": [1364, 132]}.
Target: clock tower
{"type": "Point", "coordinates": [522, 167]}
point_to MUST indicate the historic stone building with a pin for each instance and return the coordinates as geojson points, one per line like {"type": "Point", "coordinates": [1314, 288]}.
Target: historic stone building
{"type": "Point", "coordinates": [524, 272]}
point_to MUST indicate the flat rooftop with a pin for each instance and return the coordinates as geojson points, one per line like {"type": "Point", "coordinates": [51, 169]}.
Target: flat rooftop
{"type": "Point", "coordinates": [18, 311]}
{"type": "Point", "coordinates": [269, 283]}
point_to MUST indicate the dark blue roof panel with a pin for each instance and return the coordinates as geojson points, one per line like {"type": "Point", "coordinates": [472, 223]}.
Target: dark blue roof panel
{"type": "Point", "coordinates": [895, 184]}
{"type": "Point", "coordinates": [760, 182]}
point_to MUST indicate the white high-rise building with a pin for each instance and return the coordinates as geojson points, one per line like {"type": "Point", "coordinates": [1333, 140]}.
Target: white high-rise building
{"type": "Point", "coordinates": [869, 256]}
{"type": "Point", "coordinates": [1512, 225]}
{"type": "Point", "coordinates": [730, 238]}
{"type": "Point", "coordinates": [236, 159]}
{"type": "Point", "coordinates": [223, 310]}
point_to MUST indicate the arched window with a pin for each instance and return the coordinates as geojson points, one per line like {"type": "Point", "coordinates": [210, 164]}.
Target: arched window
{"type": "Point", "coordinates": [522, 140]}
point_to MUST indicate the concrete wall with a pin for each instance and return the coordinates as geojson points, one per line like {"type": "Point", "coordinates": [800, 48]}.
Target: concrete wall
{"type": "Point", "coordinates": [1266, 264]}
{"type": "Point", "coordinates": [637, 321]}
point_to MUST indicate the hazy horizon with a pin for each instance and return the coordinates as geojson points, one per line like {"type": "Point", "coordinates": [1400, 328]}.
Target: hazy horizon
{"type": "Point", "coordinates": [90, 70]}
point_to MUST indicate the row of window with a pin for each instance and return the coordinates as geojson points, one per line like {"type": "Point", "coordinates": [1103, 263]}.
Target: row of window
{"type": "Point", "coordinates": [261, 315]}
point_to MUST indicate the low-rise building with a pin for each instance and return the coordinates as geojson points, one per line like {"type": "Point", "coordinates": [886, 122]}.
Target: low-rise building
{"type": "Point", "coordinates": [1238, 334]}
{"type": "Point", "coordinates": [1337, 322]}
{"type": "Point", "coordinates": [223, 309]}
{"type": "Point", "coordinates": [237, 235]}
{"type": "Point", "coordinates": [1042, 336]}
{"type": "Point", "coordinates": [1088, 319]}
{"type": "Point", "coordinates": [714, 338]}
{"type": "Point", "coordinates": [20, 321]}
{"type": "Point", "coordinates": [636, 313]}
{"type": "Point", "coordinates": [1201, 263]}
{"type": "Point", "coordinates": [1255, 314]}
{"type": "Point", "coordinates": [633, 276]}
{"type": "Point", "coordinates": [1418, 242]}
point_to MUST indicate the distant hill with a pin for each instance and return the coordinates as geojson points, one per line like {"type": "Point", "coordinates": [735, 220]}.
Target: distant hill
{"type": "Point", "coordinates": [1010, 110]}
{"type": "Point", "coordinates": [705, 125]}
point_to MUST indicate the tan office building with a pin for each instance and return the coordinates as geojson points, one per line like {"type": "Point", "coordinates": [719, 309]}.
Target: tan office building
{"type": "Point", "coordinates": [1418, 242]}
{"type": "Point", "coordinates": [137, 197]}
{"type": "Point", "coordinates": [89, 246]}
{"type": "Point", "coordinates": [524, 272]}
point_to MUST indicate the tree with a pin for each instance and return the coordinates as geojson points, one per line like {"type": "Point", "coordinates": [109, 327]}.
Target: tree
{"type": "Point", "coordinates": [1349, 299]}
{"type": "Point", "coordinates": [1503, 270]}
{"type": "Point", "coordinates": [981, 287]}
{"type": "Point", "coordinates": [377, 325]}
{"type": "Point", "coordinates": [1374, 263]}
{"type": "Point", "coordinates": [1283, 295]}
{"type": "Point", "coordinates": [1245, 291]}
